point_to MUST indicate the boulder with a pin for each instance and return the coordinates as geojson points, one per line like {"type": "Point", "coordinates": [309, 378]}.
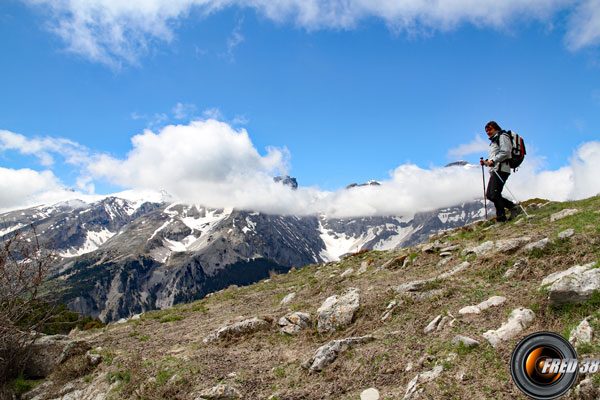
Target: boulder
{"type": "Point", "coordinates": [466, 341]}
{"type": "Point", "coordinates": [567, 233]}
{"type": "Point", "coordinates": [575, 288]}
{"type": "Point", "coordinates": [294, 323]}
{"type": "Point", "coordinates": [287, 299]}
{"type": "Point", "coordinates": [484, 305]}
{"type": "Point", "coordinates": [238, 329]}
{"type": "Point", "coordinates": [328, 353]}
{"type": "Point", "coordinates": [413, 389]}
{"type": "Point", "coordinates": [540, 245]}
{"type": "Point", "coordinates": [338, 311]}
{"type": "Point", "coordinates": [576, 269]}
{"type": "Point", "coordinates": [49, 351]}
{"type": "Point", "coordinates": [563, 213]}
{"type": "Point", "coordinates": [518, 320]}
{"type": "Point", "coordinates": [480, 250]}
{"type": "Point", "coordinates": [583, 333]}
{"type": "Point", "coordinates": [507, 245]}
{"type": "Point", "coordinates": [432, 325]}
{"type": "Point", "coordinates": [219, 392]}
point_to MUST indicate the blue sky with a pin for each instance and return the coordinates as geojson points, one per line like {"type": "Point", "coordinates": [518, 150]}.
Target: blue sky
{"type": "Point", "coordinates": [329, 92]}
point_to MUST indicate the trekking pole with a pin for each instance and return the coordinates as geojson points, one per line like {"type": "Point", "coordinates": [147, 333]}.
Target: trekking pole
{"type": "Point", "coordinates": [511, 193]}
{"type": "Point", "coordinates": [483, 178]}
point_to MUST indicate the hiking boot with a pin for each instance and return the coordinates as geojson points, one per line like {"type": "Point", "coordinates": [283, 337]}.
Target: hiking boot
{"type": "Point", "coordinates": [516, 210]}
{"type": "Point", "coordinates": [501, 219]}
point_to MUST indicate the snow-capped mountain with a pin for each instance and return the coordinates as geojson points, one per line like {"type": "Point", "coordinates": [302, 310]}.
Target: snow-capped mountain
{"type": "Point", "coordinates": [119, 257]}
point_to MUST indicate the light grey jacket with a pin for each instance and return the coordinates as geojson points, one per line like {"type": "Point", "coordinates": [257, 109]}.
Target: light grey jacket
{"type": "Point", "coordinates": [499, 152]}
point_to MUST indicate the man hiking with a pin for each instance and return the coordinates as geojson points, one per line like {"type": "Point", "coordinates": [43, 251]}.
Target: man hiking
{"type": "Point", "coordinates": [498, 156]}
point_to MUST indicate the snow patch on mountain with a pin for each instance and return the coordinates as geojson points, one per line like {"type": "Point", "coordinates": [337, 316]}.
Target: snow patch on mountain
{"type": "Point", "coordinates": [92, 242]}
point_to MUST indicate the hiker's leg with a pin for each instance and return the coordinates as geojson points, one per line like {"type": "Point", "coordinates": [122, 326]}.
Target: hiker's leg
{"type": "Point", "coordinates": [494, 195]}
{"type": "Point", "coordinates": [506, 203]}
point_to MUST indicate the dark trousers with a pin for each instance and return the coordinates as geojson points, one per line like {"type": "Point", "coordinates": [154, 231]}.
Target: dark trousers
{"type": "Point", "coordinates": [494, 194]}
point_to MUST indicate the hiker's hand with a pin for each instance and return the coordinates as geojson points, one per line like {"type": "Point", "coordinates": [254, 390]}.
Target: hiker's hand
{"type": "Point", "coordinates": [481, 161]}
{"type": "Point", "coordinates": [490, 163]}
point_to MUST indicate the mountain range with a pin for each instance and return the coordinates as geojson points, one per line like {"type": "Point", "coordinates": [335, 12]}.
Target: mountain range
{"type": "Point", "coordinates": [117, 257]}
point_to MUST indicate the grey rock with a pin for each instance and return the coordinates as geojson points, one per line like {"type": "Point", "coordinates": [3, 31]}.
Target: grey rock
{"type": "Point", "coordinates": [50, 351]}
{"type": "Point", "coordinates": [583, 333]}
{"type": "Point", "coordinates": [220, 392]}
{"type": "Point", "coordinates": [432, 325]}
{"type": "Point", "coordinates": [294, 323]}
{"type": "Point", "coordinates": [518, 320]}
{"type": "Point", "coordinates": [562, 214]}
{"type": "Point", "coordinates": [338, 311]}
{"type": "Point", "coordinates": [567, 233]}
{"type": "Point", "coordinates": [586, 390]}
{"type": "Point", "coordinates": [466, 341]}
{"type": "Point", "coordinates": [482, 249]}
{"type": "Point", "coordinates": [242, 328]}
{"type": "Point", "coordinates": [287, 299]}
{"type": "Point", "coordinates": [414, 386]}
{"type": "Point", "coordinates": [484, 305]}
{"type": "Point", "coordinates": [540, 245]}
{"type": "Point", "coordinates": [507, 245]}
{"type": "Point", "coordinates": [575, 288]}
{"type": "Point", "coordinates": [556, 276]}
{"type": "Point", "coordinates": [328, 353]}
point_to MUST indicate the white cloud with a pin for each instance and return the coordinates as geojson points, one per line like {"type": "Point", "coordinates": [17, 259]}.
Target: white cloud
{"type": "Point", "coordinates": [116, 32]}
{"type": "Point", "coordinates": [478, 145]}
{"type": "Point", "coordinates": [24, 188]}
{"type": "Point", "coordinates": [43, 147]}
{"type": "Point", "coordinates": [183, 110]}
{"type": "Point", "coordinates": [209, 162]}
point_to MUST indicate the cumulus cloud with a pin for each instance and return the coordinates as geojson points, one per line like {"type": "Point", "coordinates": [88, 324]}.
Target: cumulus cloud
{"type": "Point", "coordinates": [117, 32]}
{"type": "Point", "coordinates": [43, 148]}
{"type": "Point", "coordinates": [478, 145]}
{"type": "Point", "coordinates": [22, 188]}
{"type": "Point", "coordinates": [211, 163]}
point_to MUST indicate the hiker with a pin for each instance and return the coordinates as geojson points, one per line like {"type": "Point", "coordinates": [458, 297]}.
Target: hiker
{"type": "Point", "coordinates": [499, 153]}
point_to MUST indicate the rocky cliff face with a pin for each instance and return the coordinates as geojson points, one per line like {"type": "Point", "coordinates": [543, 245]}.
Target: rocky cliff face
{"type": "Point", "coordinates": [119, 257]}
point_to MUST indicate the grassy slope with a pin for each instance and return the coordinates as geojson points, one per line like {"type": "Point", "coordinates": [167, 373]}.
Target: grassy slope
{"type": "Point", "coordinates": [162, 354]}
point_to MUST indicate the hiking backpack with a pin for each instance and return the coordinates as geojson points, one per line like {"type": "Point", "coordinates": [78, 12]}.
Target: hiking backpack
{"type": "Point", "coordinates": [518, 150]}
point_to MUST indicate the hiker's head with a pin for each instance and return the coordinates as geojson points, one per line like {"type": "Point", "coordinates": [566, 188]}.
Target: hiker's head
{"type": "Point", "coordinates": [491, 128]}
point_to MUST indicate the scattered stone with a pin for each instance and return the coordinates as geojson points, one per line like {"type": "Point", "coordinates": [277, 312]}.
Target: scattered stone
{"type": "Point", "coordinates": [338, 311]}
{"type": "Point", "coordinates": [370, 394]}
{"type": "Point", "coordinates": [484, 305]}
{"type": "Point", "coordinates": [328, 353]}
{"type": "Point", "coordinates": [466, 341]}
{"type": "Point", "coordinates": [454, 270]}
{"type": "Point", "coordinates": [445, 254]}
{"type": "Point", "coordinates": [567, 233]}
{"type": "Point", "coordinates": [450, 248]}
{"type": "Point", "coordinates": [586, 390]}
{"type": "Point", "coordinates": [389, 310]}
{"type": "Point", "coordinates": [516, 268]}
{"type": "Point", "coordinates": [287, 299]}
{"type": "Point", "coordinates": [576, 269]}
{"type": "Point", "coordinates": [294, 323]}
{"type": "Point", "coordinates": [480, 250]}
{"type": "Point", "coordinates": [518, 320]}
{"type": "Point", "coordinates": [432, 325]}
{"type": "Point", "coordinates": [93, 359]}
{"type": "Point", "coordinates": [238, 329]}
{"type": "Point", "coordinates": [414, 387]}
{"type": "Point", "coordinates": [541, 245]}
{"type": "Point", "coordinates": [220, 392]}
{"type": "Point", "coordinates": [575, 287]}
{"type": "Point", "coordinates": [48, 351]}
{"type": "Point", "coordinates": [443, 261]}
{"type": "Point", "coordinates": [37, 392]}
{"type": "Point", "coordinates": [447, 320]}
{"type": "Point", "coordinates": [583, 333]}
{"type": "Point", "coordinates": [507, 245]}
{"type": "Point", "coordinates": [564, 213]}
{"type": "Point", "coordinates": [363, 268]}
{"type": "Point", "coordinates": [400, 260]}
{"type": "Point", "coordinates": [347, 272]}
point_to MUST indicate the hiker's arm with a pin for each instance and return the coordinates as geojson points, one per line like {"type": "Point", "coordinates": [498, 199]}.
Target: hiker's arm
{"type": "Point", "coordinates": [505, 149]}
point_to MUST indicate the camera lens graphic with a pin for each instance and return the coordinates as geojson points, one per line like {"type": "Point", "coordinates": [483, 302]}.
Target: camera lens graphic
{"type": "Point", "coordinates": [528, 361]}
{"type": "Point", "coordinates": [535, 362]}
